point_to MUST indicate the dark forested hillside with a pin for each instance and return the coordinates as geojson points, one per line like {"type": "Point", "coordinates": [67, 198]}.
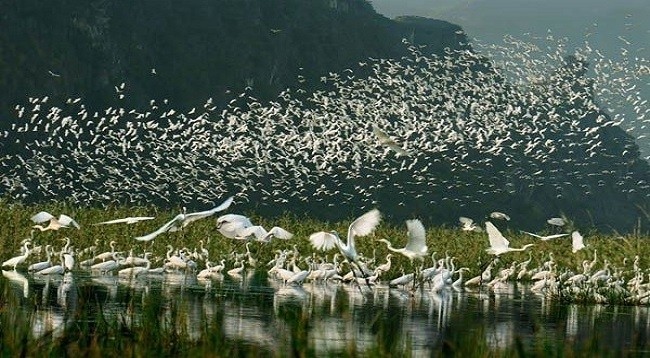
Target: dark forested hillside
{"type": "Point", "coordinates": [187, 51]}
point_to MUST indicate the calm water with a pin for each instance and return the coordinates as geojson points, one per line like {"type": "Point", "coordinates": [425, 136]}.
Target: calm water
{"type": "Point", "coordinates": [257, 311]}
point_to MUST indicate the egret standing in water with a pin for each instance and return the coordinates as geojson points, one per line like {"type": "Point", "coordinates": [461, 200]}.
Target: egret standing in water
{"type": "Point", "coordinates": [416, 248]}
{"type": "Point", "coordinates": [362, 226]}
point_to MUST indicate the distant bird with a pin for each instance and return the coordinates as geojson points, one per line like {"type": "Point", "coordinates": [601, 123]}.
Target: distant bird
{"type": "Point", "coordinates": [182, 220]}
{"type": "Point", "coordinates": [545, 238]}
{"type": "Point", "coordinates": [386, 141]}
{"type": "Point", "coordinates": [577, 242]}
{"type": "Point", "coordinates": [556, 221]}
{"type": "Point", "coordinates": [416, 248]}
{"type": "Point", "coordinates": [498, 243]}
{"type": "Point", "coordinates": [55, 224]}
{"type": "Point", "coordinates": [230, 225]}
{"type": "Point", "coordinates": [129, 220]}
{"type": "Point", "coordinates": [499, 215]}
{"type": "Point", "coordinates": [468, 224]}
{"type": "Point", "coordinates": [53, 74]}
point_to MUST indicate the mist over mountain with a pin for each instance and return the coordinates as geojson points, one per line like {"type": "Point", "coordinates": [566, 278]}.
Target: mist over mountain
{"type": "Point", "coordinates": [275, 101]}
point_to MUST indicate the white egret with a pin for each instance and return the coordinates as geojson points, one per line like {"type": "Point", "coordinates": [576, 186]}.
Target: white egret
{"type": "Point", "coordinates": [237, 270]}
{"type": "Point", "coordinates": [416, 248]}
{"type": "Point", "coordinates": [545, 238]}
{"type": "Point", "coordinates": [106, 255]}
{"type": "Point", "coordinates": [467, 224]}
{"type": "Point", "coordinates": [183, 219]}
{"type": "Point", "coordinates": [17, 260]}
{"type": "Point", "coordinates": [362, 226]}
{"type": "Point", "coordinates": [577, 242]}
{"type": "Point", "coordinates": [55, 224]}
{"type": "Point", "coordinates": [230, 225]}
{"type": "Point", "coordinates": [299, 277]}
{"type": "Point", "coordinates": [499, 244]}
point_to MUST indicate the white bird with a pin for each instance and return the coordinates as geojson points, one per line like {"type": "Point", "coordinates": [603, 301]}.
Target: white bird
{"type": "Point", "coordinates": [230, 225]}
{"type": "Point", "coordinates": [387, 141]}
{"type": "Point", "coordinates": [577, 242]}
{"type": "Point", "coordinates": [182, 220]}
{"type": "Point", "coordinates": [545, 238]}
{"type": "Point", "coordinates": [17, 260]}
{"type": "Point", "coordinates": [362, 226]}
{"type": "Point", "coordinates": [129, 220]}
{"type": "Point", "coordinates": [416, 248]}
{"type": "Point", "coordinates": [55, 224]}
{"type": "Point", "coordinates": [556, 221]}
{"type": "Point", "coordinates": [262, 235]}
{"type": "Point", "coordinates": [498, 243]}
{"type": "Point", "coordinates": [499, 215]}
{"type": "Point", "coordinates": [468, 224]}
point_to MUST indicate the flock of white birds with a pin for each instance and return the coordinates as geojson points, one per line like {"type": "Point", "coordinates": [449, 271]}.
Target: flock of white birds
{"type": "Point", "coordinates": [420, 127]}
{"type": "Point", "coordinates": [291, 267]}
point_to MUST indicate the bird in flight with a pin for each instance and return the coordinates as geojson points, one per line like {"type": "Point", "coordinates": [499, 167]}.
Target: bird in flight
{"type": "Point", "coordinates": [387, 141]}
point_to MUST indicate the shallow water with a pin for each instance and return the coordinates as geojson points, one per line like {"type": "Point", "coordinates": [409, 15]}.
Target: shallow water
{"type": "Point", "coordinates": [334, 318]}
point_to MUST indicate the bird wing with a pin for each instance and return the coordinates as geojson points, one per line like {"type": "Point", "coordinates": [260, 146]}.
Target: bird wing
{"type": "Point", "coordinates": [323, 240]}
{"type": "Point", "coordinates": [129, 220]}
{"type": "Point", "coordinates": [204, 214]}
{"type": "Point", "coordinates": [417, 236]}
{"type": "Point", "coordinates": [280, 233]}
{"type": "Point", "coordinates": [549, 237]}
{"type": "Point", "coordinates": [65, 220]}
{"type": "Point", "coordinates": [258, 231]}
{"type": "Point", "coordinates": [577, 241]}
{"type": "Point", "coordinates": [385, 140]}
{"type": "Point", "coordinates": [42, 217]}
{"type": "Point", "coordinates": [364, 224]}
{"type": "Point", "coordinates": [171, 225]}
{"type": "Point", "coordinates": [496, 238]}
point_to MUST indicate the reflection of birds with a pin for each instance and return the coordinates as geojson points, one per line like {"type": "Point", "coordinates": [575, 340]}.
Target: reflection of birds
{"type": "Point", "coordinates": [386, 141]}
{"type": "Point", "coordinates": [545, 238]}
{"type": "Point", "coordinates": [577, 242]}
{"type": "Point", "coordinates": [363, 225]}
{"type": "Point", "coordinates": [17, 260]}
{"type": "Point", "coordinates": [498, 243]}
{"type": "Point", "coordinates": [183, 219]}
{"type": "Point", "coordinates": [55, 224]}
